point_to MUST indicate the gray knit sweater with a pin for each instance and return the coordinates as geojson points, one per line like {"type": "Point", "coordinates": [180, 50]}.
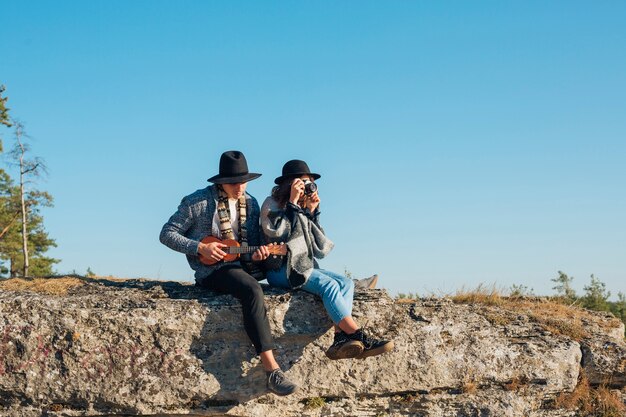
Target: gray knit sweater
{"type": "Point", "coordinates": [193, 221]}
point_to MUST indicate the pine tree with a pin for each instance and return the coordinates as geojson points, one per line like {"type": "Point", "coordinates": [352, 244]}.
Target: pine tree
{"type": "Point", "coordinates": [4, 111]}
{"type": "Point", "coordinates": [11, 251]}
{"type": "Point", "coordinates": [596, 296]}
{"type": "Point", "coordinates": [619, 308]}
{"type": "Point", "coordinates": [19, 213]}
{"type": "Point", "coordinates": [564, 287]}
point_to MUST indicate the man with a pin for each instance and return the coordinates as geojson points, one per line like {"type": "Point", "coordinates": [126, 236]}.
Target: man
{"type": "Point", "coordinates": [224, 210]}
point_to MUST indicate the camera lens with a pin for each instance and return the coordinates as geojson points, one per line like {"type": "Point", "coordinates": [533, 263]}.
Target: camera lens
{"type": "Point", "coordinates": [310, 187]}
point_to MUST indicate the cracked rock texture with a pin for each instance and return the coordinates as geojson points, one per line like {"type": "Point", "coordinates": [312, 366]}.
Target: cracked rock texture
{"type": "Point", "coordinates": [141, 347]}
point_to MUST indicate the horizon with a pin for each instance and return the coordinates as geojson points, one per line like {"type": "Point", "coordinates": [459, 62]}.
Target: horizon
{"type": "Point", "coordinates": [457, 144]}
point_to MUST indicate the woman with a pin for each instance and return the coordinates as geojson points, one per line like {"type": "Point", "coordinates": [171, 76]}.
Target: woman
{"type": "Point", "coordinates": [291, 215]}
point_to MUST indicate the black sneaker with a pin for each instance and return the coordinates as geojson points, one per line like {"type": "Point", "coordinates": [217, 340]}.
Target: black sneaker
{"type": "Point", "coordinates": [344, 347]}
{"type": "Point", "coordinates": [372, 346]}
{"type": "Point", "coordinates": [279, 384]}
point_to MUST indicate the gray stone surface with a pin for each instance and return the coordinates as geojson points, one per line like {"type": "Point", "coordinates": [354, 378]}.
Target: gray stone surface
{"type": "Point", "coordinates": [146, 347]}
{"type": "Point", "coordinates": [604, 356]}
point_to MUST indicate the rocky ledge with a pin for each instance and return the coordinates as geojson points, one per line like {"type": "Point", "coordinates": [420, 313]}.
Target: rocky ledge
{"type": "Point", "coordinates": [75, 346]}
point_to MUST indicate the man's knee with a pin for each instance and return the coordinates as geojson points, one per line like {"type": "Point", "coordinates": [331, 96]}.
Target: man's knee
{"type": "Point", "coordinates": [252, 289]}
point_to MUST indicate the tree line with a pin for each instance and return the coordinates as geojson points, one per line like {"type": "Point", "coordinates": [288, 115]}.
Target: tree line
{"type": "Point", "coordinates": [23, 238]}
{"type": "Point", "coordinates": [595, 295]}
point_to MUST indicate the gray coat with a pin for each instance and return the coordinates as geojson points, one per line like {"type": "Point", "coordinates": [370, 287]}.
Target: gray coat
{"type": "Point", "coordinates": [193, 221]}
{"type": "Point", "coordinates": [301, 232]}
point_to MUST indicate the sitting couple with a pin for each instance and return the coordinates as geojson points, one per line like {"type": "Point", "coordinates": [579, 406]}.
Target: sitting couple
{"type": "Point", "coordinates": [291, 216]}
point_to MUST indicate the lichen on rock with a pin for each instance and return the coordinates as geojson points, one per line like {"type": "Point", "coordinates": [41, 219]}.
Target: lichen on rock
{"type": "Point", "coordinates": [140, 347]}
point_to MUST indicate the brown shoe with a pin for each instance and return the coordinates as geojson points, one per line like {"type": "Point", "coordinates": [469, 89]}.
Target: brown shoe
{"type": "Point", "coordinates": [366, 283]}
{"type": "Point", "coordinates": [344, 347]}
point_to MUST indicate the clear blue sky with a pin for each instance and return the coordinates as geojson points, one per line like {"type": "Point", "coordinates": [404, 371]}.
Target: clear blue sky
{"type": "Point", "coordinates": [458, 142]}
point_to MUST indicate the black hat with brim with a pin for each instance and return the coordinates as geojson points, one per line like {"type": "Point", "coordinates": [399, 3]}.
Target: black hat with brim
{"type": "Point", "coordinates": [233, 169]}
{"type": "Point", "coordinates": [295, 168]}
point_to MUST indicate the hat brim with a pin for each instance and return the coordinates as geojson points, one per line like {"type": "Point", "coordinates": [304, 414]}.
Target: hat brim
{"type": "Point", "coordinates": [295, 175]}
{"type": "Point", "coordinates": [218, 179]}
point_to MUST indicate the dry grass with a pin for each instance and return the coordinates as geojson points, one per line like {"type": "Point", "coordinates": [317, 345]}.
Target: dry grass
{"type": "Point", "coordinates": [486, 295]}
{"type": "Point", "coordinates": [314, 402]}
{"type": "Point", "coordinates": [561, 323]}
{"type": "Point", "coordinates": [409, 397]}
{"type": "Point", "coordinates": [52, 286]}
{"type": "Point", "coordinates": [405, 300]}
{"type": "Point", "coordinates": [554, 316]}
{"type": "Point", "coordinates": [577, 398]}
{"type": "Point", "coordinates": [469, 387]}
{"type": "Point", "coordinates": [601, 401]}
{"type": "Point", "coordinates": [516, 383]}
{"type": "Point", "coordinates": [469, 383]}
{"type": "Point", "coordinates": [498, 318]}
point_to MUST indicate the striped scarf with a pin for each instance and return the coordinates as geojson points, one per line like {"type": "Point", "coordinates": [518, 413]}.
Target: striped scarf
{"type": "Point", "coordinates": [223, 213]}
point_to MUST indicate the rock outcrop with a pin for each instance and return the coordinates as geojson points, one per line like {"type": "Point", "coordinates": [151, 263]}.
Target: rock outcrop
{"type": "Point", "coordinates": [140, 347]}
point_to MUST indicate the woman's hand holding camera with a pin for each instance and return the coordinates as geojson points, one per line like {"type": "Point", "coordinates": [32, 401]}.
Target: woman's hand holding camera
{"type": "Point", "coordinates": [300, 197]}
{"type": "Point", "coordinates": [297, 191]}
{"type": "Point", "coordinates": [312, 201]}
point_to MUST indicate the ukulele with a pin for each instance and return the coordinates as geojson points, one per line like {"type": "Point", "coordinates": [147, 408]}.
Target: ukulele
{"type": "Point", "coordinates": [234, 249]}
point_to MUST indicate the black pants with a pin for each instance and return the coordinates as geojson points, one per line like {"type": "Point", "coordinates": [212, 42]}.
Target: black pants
{"type": "Point", "coordinates": [233, 280]}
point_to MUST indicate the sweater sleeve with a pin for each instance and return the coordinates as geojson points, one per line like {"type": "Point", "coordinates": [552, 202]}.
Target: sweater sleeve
{"type": "Point", "coordinates": [291, 211]}
{"type": "Point", "coordinates": [173, 232]}
{"type": "Point", "coordinates": [314, 217]}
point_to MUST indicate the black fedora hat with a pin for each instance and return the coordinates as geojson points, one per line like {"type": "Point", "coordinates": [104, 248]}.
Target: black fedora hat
{"type": "Point", "coordinates": [295, 168]}
{"type": "Point", "coordinates": [233, 169]}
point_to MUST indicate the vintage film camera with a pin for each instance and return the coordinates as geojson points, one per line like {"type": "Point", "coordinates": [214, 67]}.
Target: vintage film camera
{"type": "Point", "coordinates": [309, 187]}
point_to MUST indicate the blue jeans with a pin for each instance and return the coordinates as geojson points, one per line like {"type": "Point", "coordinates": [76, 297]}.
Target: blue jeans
{"type": "Point", "coordinates": [335, 290]}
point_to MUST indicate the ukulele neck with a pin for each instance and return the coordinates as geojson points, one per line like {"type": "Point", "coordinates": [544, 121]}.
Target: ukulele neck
{"type": "Point", "coordinates": [239, 250]}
